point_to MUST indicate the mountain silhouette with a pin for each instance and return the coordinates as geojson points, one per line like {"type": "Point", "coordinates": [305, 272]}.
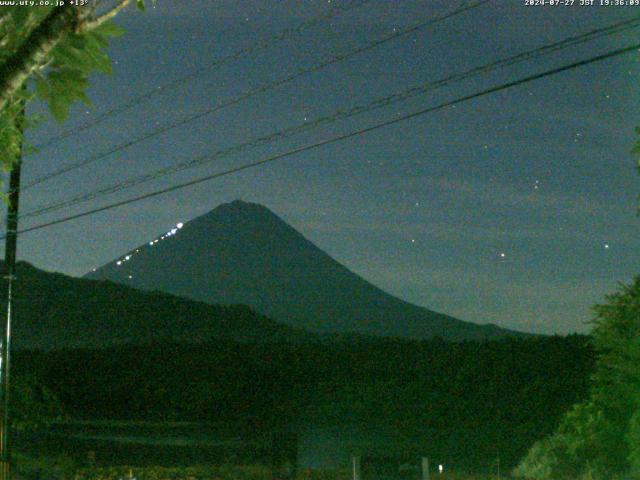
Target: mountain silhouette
{"type": "Point", "coordinates": [242, 253]}
{"type": "Point", "coordinates": [54, 311]}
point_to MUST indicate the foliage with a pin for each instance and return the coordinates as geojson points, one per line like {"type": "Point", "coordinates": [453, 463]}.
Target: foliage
{"type": "Point", "coordinates": [33, 405]}
{"type": "Point", "coordinates": [544, 459]}
{"type": "Point", "coordinates": [325, 474]}
{"type": "Point", "coordinates": [65, 80]}
{"type": "Point", "coordinates": [636, 148]}
{"type": "Point", "coordinates": [577, 447]}
{"type": "Point", "coordinates": [231, 472]}
{"type": "Point", "coordinates": [29, 467]}
{"type": "Point", "coordinates": [601, 436]}
{"type": "Point", "coordinates": [633, 441]}
{"type": "Point", "coordinates": [470, 401]}
{"type": "Point", "coordinates": [58, 56]}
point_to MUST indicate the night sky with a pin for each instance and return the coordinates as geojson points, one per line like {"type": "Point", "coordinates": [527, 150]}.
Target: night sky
{"type": "Point", "coordinates": [518, 208]}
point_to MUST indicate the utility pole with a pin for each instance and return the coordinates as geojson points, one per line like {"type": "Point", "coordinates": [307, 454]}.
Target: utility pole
{"type": "Point", "coordinates": [9, 270]}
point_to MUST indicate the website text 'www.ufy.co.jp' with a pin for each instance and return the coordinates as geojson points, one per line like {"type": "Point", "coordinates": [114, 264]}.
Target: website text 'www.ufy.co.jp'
{"type": "Point", "coordinates": [42, 3]}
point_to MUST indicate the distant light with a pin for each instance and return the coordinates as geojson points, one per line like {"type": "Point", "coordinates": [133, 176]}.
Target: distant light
{"type": "Point", "coordinates": [130, 277]}
{"type": "Point", "coordinates": [118, 263]}
{"type": "Point", "coordinates": [180, 225]}
{"type": "Point", "coordinates": [128, 257]}
{"type": "Point", "coordinates": [606, 246]}
{"type": "Point", "coordinates": [174, 231]}
{"type": "Point", "coordinates": [440, 468]}
{"type": "Point", "coordinates": [503, 255]}
{"type": "Point", "coordinates": [151, 243]}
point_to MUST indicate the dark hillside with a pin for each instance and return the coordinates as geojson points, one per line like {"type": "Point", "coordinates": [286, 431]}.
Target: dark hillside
{"type": "Point", "coordinates": [56, 311]}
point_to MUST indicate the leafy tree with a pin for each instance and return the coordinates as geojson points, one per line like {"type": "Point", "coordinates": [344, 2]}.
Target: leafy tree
{"type": "Point", "coordinates": [601, 437]}
{"type": "Point", "coordinates": [56, 46]}
{"type": "Point", "coordinates": [633, 439]}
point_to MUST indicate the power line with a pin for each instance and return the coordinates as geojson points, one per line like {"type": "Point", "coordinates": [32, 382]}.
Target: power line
{"type": "Point", "coordinates": [340, 114]}
{"type": "Point", "coordinates": [215, 65]}
{"type": "Point", "coordinates": [255, 91]}
{"type": "Point", "coordinates": [338, 138]}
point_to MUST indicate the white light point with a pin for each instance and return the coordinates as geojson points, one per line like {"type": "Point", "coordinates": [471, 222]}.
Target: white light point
{"type": "Point", "coordinates": [503, 255]}
{"type": "Point", "coordinates": [128, 257]}
{"type": "Point", "coordinates": [118, 263]}
{"type": "Point", "coordinates": [606, 246]}
{"type": "Point", "coordinates": [180, 225]}
{"type": "Point", "coordinates": [151, 243]}
{"type": "Point", "coordinates": [174, 231]}
{"type": "Point", "coordinates": [130, 277]}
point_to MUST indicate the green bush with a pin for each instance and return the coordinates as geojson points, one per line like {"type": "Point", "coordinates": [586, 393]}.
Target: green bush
{"type": "Point", "coordinates": [600, 438]}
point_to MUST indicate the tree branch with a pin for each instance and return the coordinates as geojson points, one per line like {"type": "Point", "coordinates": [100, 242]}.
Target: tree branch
{"type": "Point", "coordinates": [92, 23]}
{"type": "Point", "coordinates": [33, 52]}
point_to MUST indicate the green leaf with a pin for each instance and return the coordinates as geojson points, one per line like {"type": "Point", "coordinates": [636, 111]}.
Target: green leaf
{"type": "Point", "coordinates": [140, 5]}
{"type": "Point", "coordinates": [59, 108]}
{"type": "Point", "coordinates": [109, 29]}
{"type": "Point", "coordinates": [42, 88]}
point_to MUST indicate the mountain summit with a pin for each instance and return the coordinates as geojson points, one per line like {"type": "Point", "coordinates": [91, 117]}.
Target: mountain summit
{"type": "Point", "coordinates": [242, 253]}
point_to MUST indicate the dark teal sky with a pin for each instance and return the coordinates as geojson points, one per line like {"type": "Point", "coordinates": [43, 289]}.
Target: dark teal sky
{"type": "Point", "coordinates": [424, 209]}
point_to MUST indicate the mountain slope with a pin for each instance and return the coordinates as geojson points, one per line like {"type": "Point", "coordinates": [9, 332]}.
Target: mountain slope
{"type": "Point", "coordinates": [58, 311]}
{"type": "Point", "coordinates": [243, 253]}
